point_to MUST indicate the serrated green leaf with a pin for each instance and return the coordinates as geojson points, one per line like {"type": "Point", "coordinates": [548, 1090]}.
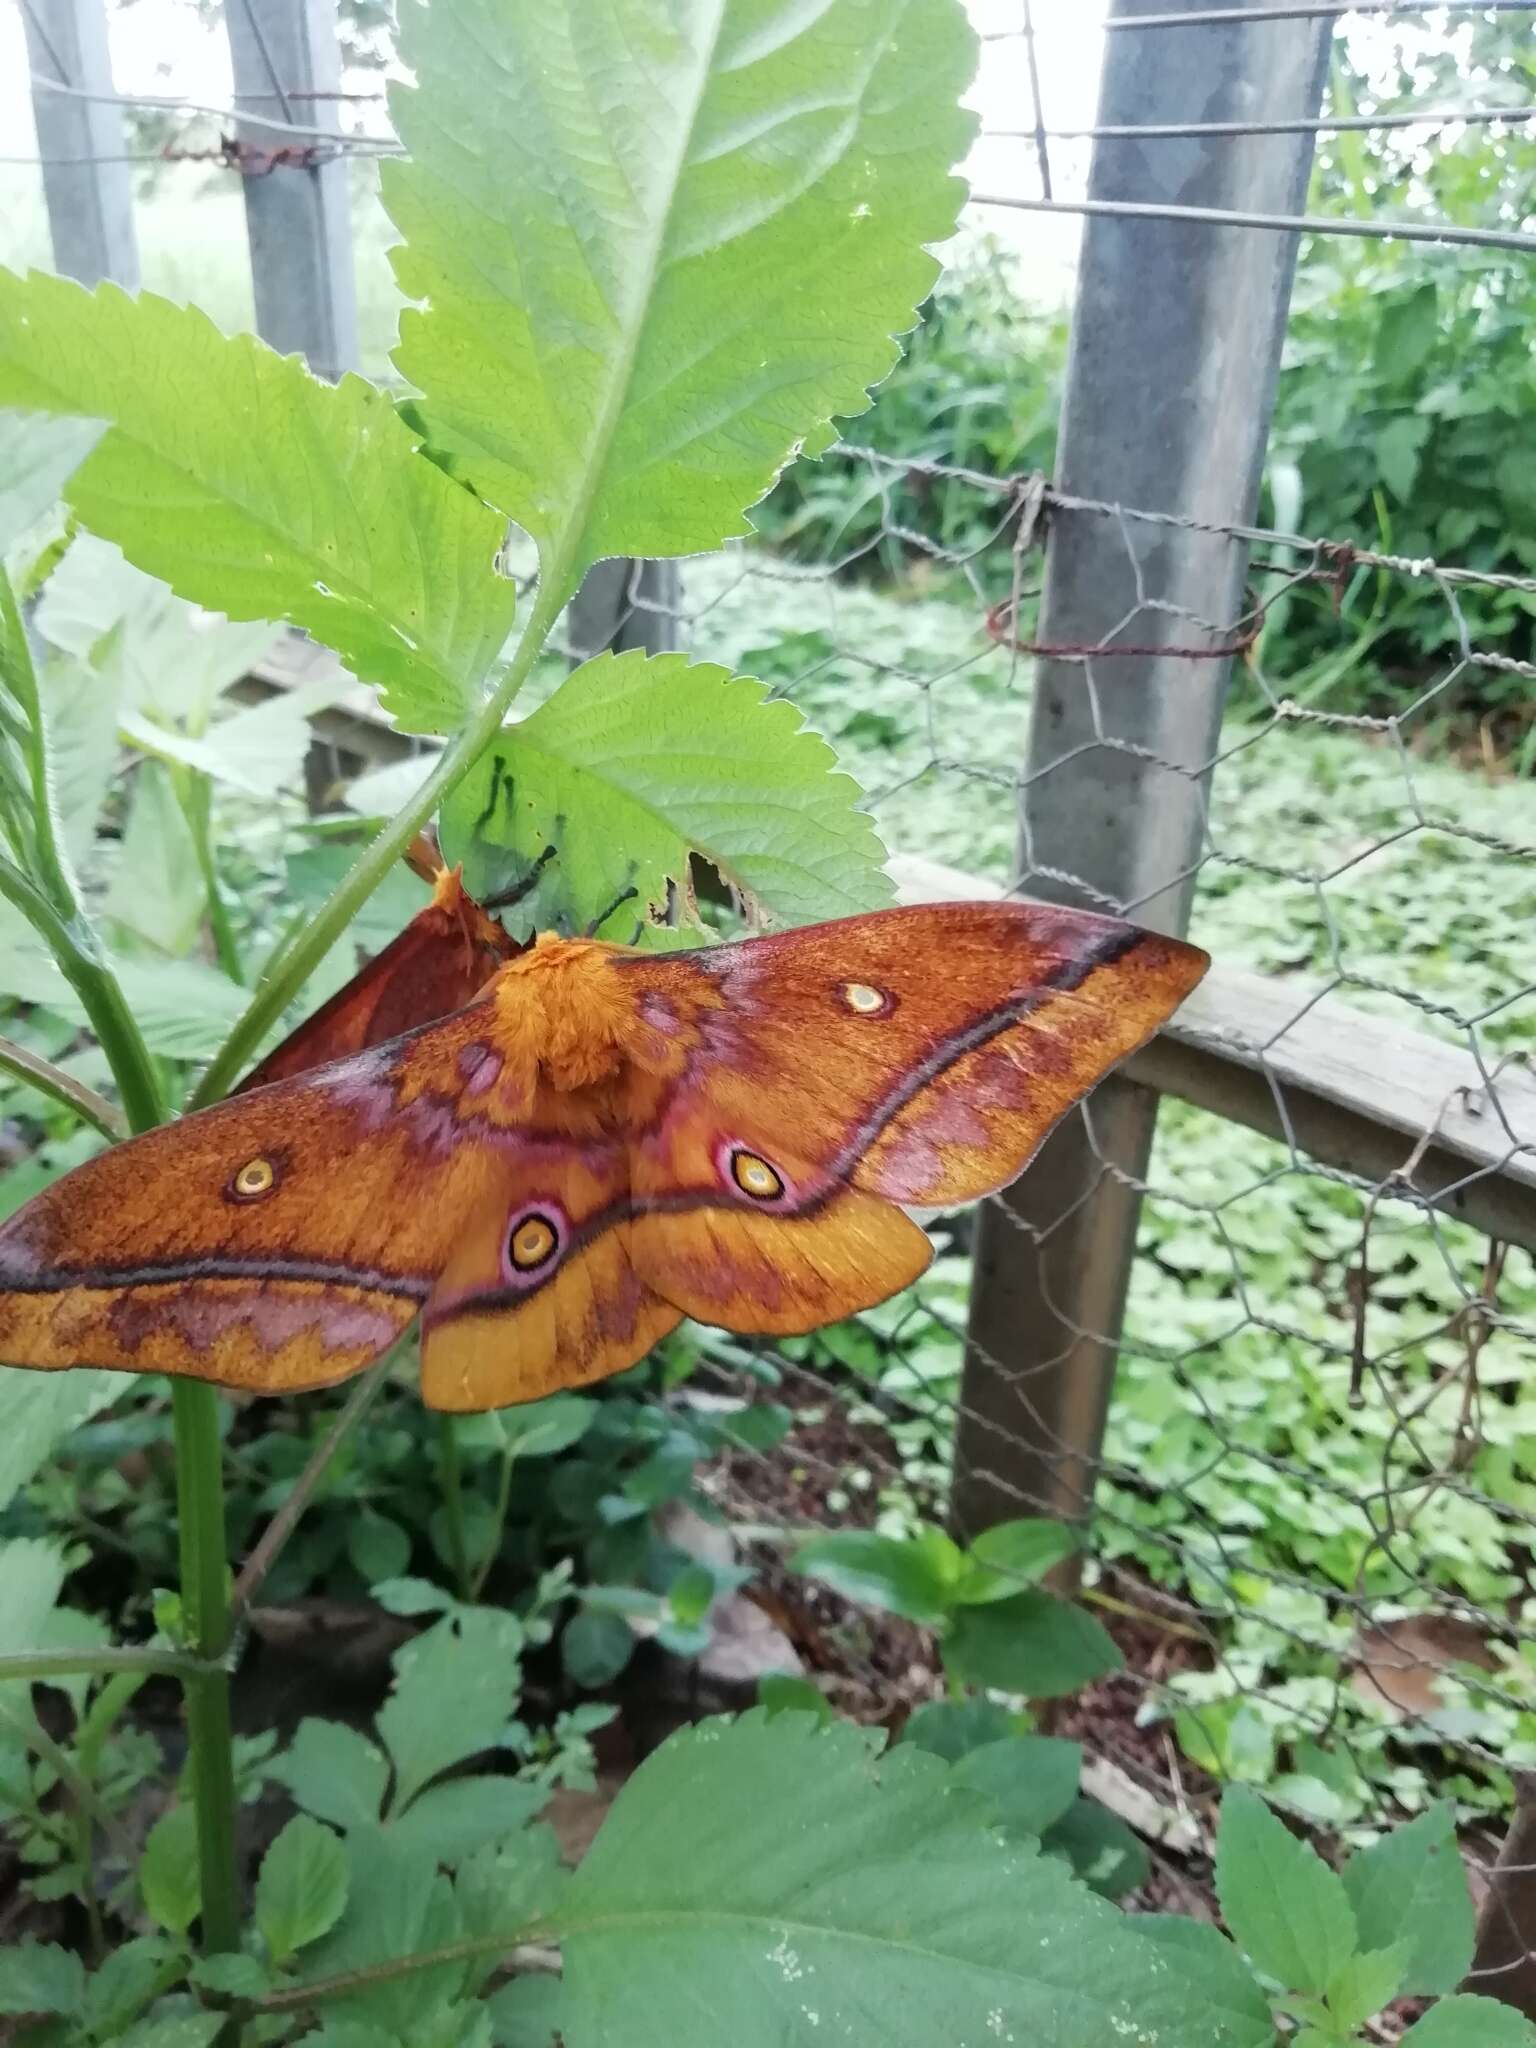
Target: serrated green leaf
{"type": "Point", "coordinates": [914, 1576]}
{"type": "Point", "coordinates": [451, 1821]}
{"type": "Point", "coordinates": [607, 210]}
{"type": "Point", "coordinates": [126, 1981]}
{"type": "Point", "coordinates": [1030, 1780]}
{"type": "Point", "coordinates": [301, 1889]}
{"type": "Point", "coordinates": [1364, 1983]}
{"type": "Point", "coordinates": [1015, 1554]}
{"type": "Point", "coordinates": [1467, 2022]}
{"type": "Point", "coordinates": [38, 455]}
{"type": "Point", "coordinates": [37, 1412]}
{"type": "Point", "coordinates": [1030, 1643]}
{"type": "Point", "coordinates": [1283, 1904]}
{"type": "Point", "coordinates": [232, 1976]}
{"type": "Point", "coordinates": [169, 1878]}
{"type": "Point", "coordinates": [1226, 1981]}
{"type": "Point", "coordinates": [527, 2013]}
{"type": "Point", "coordinates": [954, 1728]}
{"type": "Point", "coordinates": [183, 1007]}
{"type": "Point", "coordinates": [184, 2030]}
{"type": "Point", "coordinates": [31, 1579]}
{"type": "Point", "coordinates": [772, 1880]}
{"type": "Point", "coordinates": [1410, 1887]}
{"type": "Point", "coordinates": [397, 1905]}
{"type": "Point", "coordinates": [1101, 1849]}
{"type": "Point", "coordinates": [453, 1698]}
{"type": "Point", "coordinates": [157, 893]}
{"type": "Point", "coordinates": [635, 762]}
{"type": "Point", "coordinates": [37, 1976]}
{"type": "Point", "coordinates": [254, 489]}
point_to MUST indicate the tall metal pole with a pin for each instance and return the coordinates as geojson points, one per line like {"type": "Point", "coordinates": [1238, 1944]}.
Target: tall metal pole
{"type": "Point", "coordinates": [86, 182]}
{"type": "Point", "coordinates": [1176, 339]}
{"type": "Point", "coordinates": [297, 211]}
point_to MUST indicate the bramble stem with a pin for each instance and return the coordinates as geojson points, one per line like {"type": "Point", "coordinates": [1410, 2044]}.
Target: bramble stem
{"type": "Point", "coordinates": [278, 986]}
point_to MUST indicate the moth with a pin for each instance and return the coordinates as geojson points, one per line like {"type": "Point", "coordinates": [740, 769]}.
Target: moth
{"type": "Point", "coordinates": [593, 1143]}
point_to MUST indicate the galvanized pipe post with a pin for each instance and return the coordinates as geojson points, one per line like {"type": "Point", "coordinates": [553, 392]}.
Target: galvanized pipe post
{"type": "Point", "coordinates": [86, 183]}
{"type": "Point", "coordinates": [1176, 338]}
{"type": "Point", "coordinates": [287, 68]}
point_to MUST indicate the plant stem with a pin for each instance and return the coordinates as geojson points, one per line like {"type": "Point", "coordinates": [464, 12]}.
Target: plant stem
{"type": "Point", "coordinates": [498, 1523]}
{"type": "Point", "coordinates": [276, 989]}
{"type": "Point", "coordinates": [197, 808]}
{"type": "Point", "coordinates": [36, 1664]}
{"type": "Point", "coordinates": [205, 1615]}
{"type": "Point", "coordinates": [73, 945]}
{"type": "Point", "coordinates": [283, 1523]}
{"type": "Point", "coordinates": [453, 1502]}
{"type": "Point", "coordinates": [20, 676]}
{"type": "Point", "coordinates": [51, 1080]}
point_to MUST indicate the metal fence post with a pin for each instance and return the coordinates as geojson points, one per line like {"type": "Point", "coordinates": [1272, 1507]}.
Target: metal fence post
{"type": "Point", "coordinates": [624, 604]}
{"type": "Point", "coordinates": [86, 183]}
{"type": "Point", "coordinates": [1176, 339]}
{"type": "Point", "coordinates": [297, 213]}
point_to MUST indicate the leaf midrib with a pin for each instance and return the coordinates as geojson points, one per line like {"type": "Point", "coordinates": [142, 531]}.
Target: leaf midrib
{"type": "Point", "coordinates": [567, 551]}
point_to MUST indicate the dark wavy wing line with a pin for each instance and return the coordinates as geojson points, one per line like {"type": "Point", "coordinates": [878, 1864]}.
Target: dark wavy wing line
{"type": "Point", "coordinates": [176, 1272]}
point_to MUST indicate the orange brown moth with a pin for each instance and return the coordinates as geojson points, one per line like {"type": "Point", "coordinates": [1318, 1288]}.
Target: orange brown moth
{"type": "Point", "coordinates": [603, 1141]}
{"type": "Point", "coordinates": [442, 960]}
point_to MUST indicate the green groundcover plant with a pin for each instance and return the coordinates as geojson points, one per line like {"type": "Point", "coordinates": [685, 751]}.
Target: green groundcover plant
{"type": "Point", "coordinates": [651, 255]}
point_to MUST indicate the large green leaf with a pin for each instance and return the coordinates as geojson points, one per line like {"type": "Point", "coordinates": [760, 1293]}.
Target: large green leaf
{"type": "Point", "coordinates": [659, 756]}
{"type": "Point", "coordinates": [770, 1882]}
{"type": "Point", "coordinates": [657, 248]}
{"type": "Point", "coordinates": [256, 490]}
{"type": "Point", "coordinates": [37, 456]}
{"type": "Point", "coordinates": [1410, 1887]}
{"type": "Point", "coordinates": [1280, 1899]}
{"type": "Point", "coordinates": [38, 1410]}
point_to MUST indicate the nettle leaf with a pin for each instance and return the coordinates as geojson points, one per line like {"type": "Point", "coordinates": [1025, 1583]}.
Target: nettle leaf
{"type": "Point", "coordinates": [1410, 1887]}
{"type": "Point", "coordinates": [397, 1905]}
{"type": "Point", "coordinates": [662, 757]}
{"type": "Point", "coordinates": [301, 1890]}
{"type": "Point", "coordinates": [1030, 1643]}
{"type": "Point", "coordinates": [607, 209]}
{"type": "Point", "coordinates": [452, 1699]}
{"type": "Point", "coordinates": [764, 1881]}
{"type": "Point", "coordinates": [254, 489]}
{"type": "Point", "coordinates": [1467, 2022]}
{"type": "Point", "coordinates": [38, 455]}
{"type": "Point", "coordinates": [37, 1412]}
{"type": "Point", "coordinates": [448, 1822]}
{"type": "Point", "coordinates": [1031, 1780]}
{"type": "Point", "coordinates": [168, 1871]}
{"type": "Point", "coordinates": [39, 1977]}
{"type": "Point", "coordinates": [913, 1576]}
{"type": "Point", "coordinates": [1282, 1902]}
{"type": "Point", "coordinates": [1223, 1976]}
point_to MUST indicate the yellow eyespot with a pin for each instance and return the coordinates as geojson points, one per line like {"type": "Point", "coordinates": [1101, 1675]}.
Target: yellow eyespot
{"type": "Point", "coordinates": [755, 1177]}
{"type": "Point", "coordinates": [532, 1242]}
{"type": "Point", "coordinates": [257, 1177]}
{"type": "Point", "coordinates": [858, 995]}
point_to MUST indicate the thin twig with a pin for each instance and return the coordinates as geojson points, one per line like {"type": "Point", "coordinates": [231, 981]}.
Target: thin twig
{"type": "Point", "coordinates": [52, 1080]}
{"type": "Point", "coordinates": [283, 1523]}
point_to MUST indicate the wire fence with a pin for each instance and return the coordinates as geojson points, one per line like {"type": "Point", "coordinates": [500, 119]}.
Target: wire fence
{"type": "Point", "coordinates": [1315, 1506]}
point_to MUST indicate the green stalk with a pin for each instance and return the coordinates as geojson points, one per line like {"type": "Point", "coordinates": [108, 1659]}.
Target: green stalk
{"type": "Point", "coordinates": [39, 1664]}
{"type": "Point", "coordinates": [73, 945]}
{"type": "Point", "coordinates": [51, 905]}
{"type": "Point", "coordinates": [48, 1079]}
{"type": "Point", "coordinates": [205, 1616]}
{"type": "Point", "coordinates": [278, 986]}
{"type": "Point", "coordinates": [453, 1504]}
{"type": "Point", "coordinates": [196, 796]}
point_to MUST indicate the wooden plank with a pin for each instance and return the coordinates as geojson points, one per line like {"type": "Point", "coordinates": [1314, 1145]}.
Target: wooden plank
{"type": "Point", "coordinates": [1345, 1086]}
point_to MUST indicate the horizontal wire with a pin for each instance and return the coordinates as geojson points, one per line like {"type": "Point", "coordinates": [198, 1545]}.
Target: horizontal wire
{"type": "Point", "coordinates": [1432, 117]}
{"type": "Point", "coordinates": [161, 103]}
{"type": "Point", "coordinates": [1283, 223]}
